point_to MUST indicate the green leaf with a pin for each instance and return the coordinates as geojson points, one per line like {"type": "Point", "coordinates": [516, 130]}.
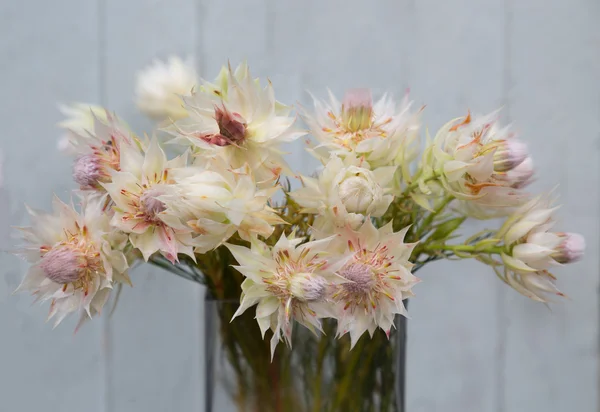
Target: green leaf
{"type": "Point", "coordinates": [445, 229]}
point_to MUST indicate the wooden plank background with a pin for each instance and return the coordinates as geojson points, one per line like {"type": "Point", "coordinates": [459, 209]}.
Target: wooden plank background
{"type": "Point", "coordinates": [474, 345]}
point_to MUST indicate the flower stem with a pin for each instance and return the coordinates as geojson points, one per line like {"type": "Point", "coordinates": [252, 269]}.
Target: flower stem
{"type": "Point", "coordinates": [163, 263]}
{"type": "Point", "coordinates": [323, 343]}
{"type": "Point", "coordinates": [424, 227]}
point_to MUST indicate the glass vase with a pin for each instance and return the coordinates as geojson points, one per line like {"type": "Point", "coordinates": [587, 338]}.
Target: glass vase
{"type": "Point", "coordinates": [320, 373]}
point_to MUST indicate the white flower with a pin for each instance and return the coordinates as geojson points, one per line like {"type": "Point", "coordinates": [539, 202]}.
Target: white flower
{"type": "Point", "coordinates": [379, 132]}
{"type": "Point", "coordinates": [136, 190]}
{"type": "Point", "coordinates": [216, 201]}
{"type": "Point", "coordinates": [288, 282]}
{"type": "Point", "coordinates": [80, 118]}
{"type": "Point", "coordinates": [478, 162]}
{"type": "Point", "coordinates": [345, 193]}
{"type": "Point", "coordinates": [244, 125]}
{"type": "Point", "coordinates": [98, 151]}
{"type": "Point", "coordinates": [76, 258]}
{"type": "Point", "coordinates": [160, 87]}
{"type": "Point", "coordinates": [378, 279]}
{"type": "Point", "coordinates": [531, 249]}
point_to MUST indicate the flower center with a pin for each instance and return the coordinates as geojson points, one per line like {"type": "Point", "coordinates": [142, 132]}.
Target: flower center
{"type": "Point", "coordinates": [361, 278]}
{"type": "Point", "coordinates": [63, 265]}
{"type": "Point", "coordinates": [232, 127]}
{"type": "Point", "coordinates": [308, 287]}
{"type": "Point", "coordinates": [357, 110]}
{"type": "Point", "coordinates": [149, 203]}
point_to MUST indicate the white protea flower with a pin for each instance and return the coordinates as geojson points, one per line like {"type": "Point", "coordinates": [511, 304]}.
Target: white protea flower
{"type": "Point", "coordinates": [480, 163]}
{"type": "Point", "coordinates": [98, 151]}
{"type": "Point", "coordinates": [160, 87]}
{"type": "Point", "coordinates": [80, 118]}
{"type": "Point", "coordinates": [76, 258]}
{"type": "Point", "coordinates": [531, 249]}
{"type": "Point", "coordinates": [136, 190]}
{"type": "Point", "coordinates": [215, 202]}
{"type": "Point", "coordinates": [289, 281]}
{"type": "Point", "coordinates": [378, 131]}
{"type": "Point", "coordinates": [244, 125]}
{"type": "Point", "coordinates": [345, 192]}
{"type": "Point", "coordinates": [378, 278]}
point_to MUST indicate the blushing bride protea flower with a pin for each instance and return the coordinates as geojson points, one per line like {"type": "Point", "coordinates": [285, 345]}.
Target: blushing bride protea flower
{"type": "Point", "coordinates": [245, 125]}
{"type": "Point", "coordinates": [378, 131]}
{"type": "Point", "coordinates": [481, 164]}
{"type": "Point", "coordinates": [76, 258]}
{"type": "Point", "coordinates": [344, 193]}
{"type": "Point", "coordinates": [531, 249]}
{"type": "Point", "coordinates": [377, 279]}
{"type": "Point", "coordinates": [216, 202]}
{"type": "Point", "coordinates": [160, 87]}
{"type": "Point", "coordinates": [98, 151]}
{"type": "Point", "coordinates": [288, 282]}
{"type": "Point", "coordinates": [136, 190]}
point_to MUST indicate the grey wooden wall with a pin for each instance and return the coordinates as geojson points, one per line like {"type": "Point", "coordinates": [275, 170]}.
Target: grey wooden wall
{"type": "Point", "coordinates": [474, 345]}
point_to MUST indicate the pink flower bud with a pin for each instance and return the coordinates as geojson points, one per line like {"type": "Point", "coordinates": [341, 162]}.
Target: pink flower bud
{"type": "Point", "coordinates": [88, 171]}
{"type": "Point", "coordinates": [509, 154]}
{"type": "Point", "coordinates": [357, 109]}
{"type": "Point", "coordinates": [360, 276]}
{"type": "Point", "coordinates": [63, 265]}
{"type": "Point", "coordinates": [522, 175]}
{"type": "Point", "coordinates": [571, 248]}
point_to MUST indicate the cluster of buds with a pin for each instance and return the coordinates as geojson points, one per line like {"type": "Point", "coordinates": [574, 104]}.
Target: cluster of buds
{"type": "Point", "coordinates": [531, 249]}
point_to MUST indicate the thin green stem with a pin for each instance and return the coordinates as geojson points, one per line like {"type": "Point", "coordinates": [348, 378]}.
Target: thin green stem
{"type": "Point", "coordinates": [163, 263]}
{"type": "Point", "coordinates": [342, 391]}
{"type": "Point", "coordinates": [323, 343]}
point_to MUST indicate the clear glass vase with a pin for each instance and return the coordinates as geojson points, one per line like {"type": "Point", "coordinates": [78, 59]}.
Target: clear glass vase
{"type": "Point", "coordinates": [321, 373]}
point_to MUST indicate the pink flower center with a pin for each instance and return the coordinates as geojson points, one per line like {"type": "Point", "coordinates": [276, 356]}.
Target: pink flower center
{"type": "Point", "coordinates": [150, 205]}
{"type": "Point", "coordinates": [361, 278]}
{"type": "Point", "coordinates": [232, 128]}
{"type": "Point", "coordinates": [63, 265]}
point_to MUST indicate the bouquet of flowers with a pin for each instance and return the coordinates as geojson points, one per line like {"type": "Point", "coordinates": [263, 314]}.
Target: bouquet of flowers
{"type": "Point", "coordinates": [334, 252]}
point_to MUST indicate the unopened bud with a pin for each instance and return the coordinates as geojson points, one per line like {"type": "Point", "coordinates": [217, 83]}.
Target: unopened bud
{"type": "Point", "coordinates": [357, 109]}
{"type": "Point", "coordinates": [522, 175]}
{"type": "Point", "coordinates": [571, 248]}
{"type": "Point", "coordinates": [356, 194]}
{"type": "Point", "coordinates": [88, 171]}
{"type": "Point", "coordinates": [509, 154]}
